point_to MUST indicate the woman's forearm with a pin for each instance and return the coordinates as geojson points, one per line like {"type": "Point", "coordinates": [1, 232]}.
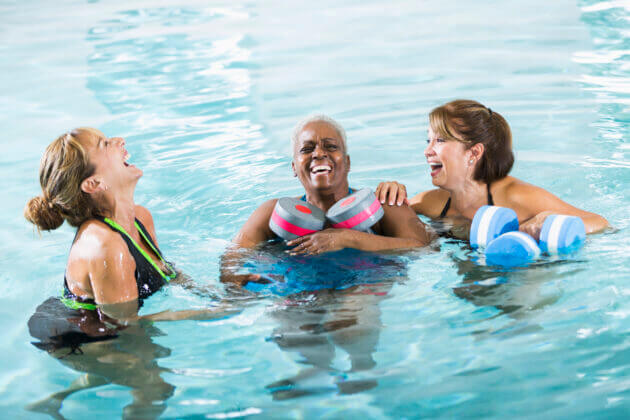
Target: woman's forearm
{"type": "Point", "coordinates": [370, 242]}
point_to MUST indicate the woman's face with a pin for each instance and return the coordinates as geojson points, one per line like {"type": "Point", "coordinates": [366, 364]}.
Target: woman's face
{"type": "Point", "coordinates": [319, 158]}
{"type": "Point", "coordinates": [109, 157]}
{"type": "Point", "coordinates": [449, 161]}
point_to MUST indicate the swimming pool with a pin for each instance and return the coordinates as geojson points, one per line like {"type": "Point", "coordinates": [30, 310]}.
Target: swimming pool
{"type": "Point", "coordinates": [206, 97]}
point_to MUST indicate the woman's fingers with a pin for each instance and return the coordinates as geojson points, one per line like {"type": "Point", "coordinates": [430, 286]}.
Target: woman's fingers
{"type": "Point", "coordinates": [299, 240]}
{"type": "Point", "coordinates": [300, 248]}
{"type": "Point", "coordinates": [401, 195]}
{"type": "Point", "coordinates": [381, 192]}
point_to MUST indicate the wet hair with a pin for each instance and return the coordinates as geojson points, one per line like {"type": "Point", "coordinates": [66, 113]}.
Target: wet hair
{"type": "Point", "coordinates": [470, 122]}
{"type": "Point", "coordinates": [62, 169]}
{"type": "Point", "coordinates": [318, 118]}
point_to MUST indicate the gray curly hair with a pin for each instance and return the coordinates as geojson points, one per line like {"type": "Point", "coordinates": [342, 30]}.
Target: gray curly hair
{"type": "Point", "coordinates": [318, 118]}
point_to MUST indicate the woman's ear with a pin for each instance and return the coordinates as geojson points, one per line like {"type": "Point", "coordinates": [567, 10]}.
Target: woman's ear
{"type": "Point", "coordinates": [90, 185]}
{"type": "Point", "coordinates": [476, 152]}
{"type": "Point", "coordinates": [348, 162]}
{"type": "Point", "coordinates": [293, 168]}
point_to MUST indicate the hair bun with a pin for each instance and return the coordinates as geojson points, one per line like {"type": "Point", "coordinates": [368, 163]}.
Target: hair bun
{"type": "Point", "coordinates": [43, 214]}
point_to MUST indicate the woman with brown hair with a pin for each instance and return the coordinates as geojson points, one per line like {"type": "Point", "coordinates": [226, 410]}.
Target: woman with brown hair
{"type": "Point", "coordinates": [469, 152]}
{"type": "Point", "coordinates": [114, 261]}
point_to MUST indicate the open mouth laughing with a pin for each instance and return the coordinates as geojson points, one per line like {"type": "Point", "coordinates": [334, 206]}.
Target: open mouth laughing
{"type": "Point", "coordinates": [321, 170]}
{"type": "Point", "coordinates": [436, 167]}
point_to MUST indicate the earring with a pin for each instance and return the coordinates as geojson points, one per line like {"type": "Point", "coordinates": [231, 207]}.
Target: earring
{"type": "Point", "coordinates": [471, 161]}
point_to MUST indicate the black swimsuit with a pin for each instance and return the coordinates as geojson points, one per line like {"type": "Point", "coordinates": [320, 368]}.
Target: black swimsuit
{"type": "Point", "coordinates": [71, 321]}
{"type": "Point", "coordinates": [448, 203]}
{"type": "Point", "coordinates": [148, 279]}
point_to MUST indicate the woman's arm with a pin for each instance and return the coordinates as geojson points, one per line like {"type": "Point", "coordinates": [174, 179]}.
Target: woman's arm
{"type": "Point", "coordinates": [400, 228]}
{"type": "Point", "coordinates": [533, 204]}
{"type": "Point", "coordinates": [126, 313]}
{"type": "Point", "coordinates": [427, 203]}
{"type": "Point", "coordinates": [112, 280]}
{"type": "Point", "coordinates": [253, 232]}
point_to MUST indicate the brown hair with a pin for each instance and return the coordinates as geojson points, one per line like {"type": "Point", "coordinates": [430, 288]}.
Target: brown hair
{"type": "Point", "coordinates": [62, 169]}
{"type": "Point", "coordinates": [470, 122]}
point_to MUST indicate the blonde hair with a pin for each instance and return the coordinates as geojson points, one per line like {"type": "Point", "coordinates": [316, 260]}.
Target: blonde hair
{"type": "Point", "coordinates": [62, 169]}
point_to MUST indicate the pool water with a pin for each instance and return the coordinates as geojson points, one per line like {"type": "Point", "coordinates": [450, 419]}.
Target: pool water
{"type": "Point", "coordinates": [206, 96]}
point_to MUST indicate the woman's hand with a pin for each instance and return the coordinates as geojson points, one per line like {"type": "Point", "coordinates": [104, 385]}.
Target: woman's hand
{"type": "Point", "coordinates": [324, 241]}
{"type": "Point", "coordinates": [392, 192]}
{"type": "Point", "coordinates": [242, 279]}
{"type": "Point", "coordinates": [534, 225]}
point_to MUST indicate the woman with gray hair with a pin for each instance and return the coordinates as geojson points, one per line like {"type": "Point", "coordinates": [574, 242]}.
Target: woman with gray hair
{"type": "Point", "coordinates": [321, 163]}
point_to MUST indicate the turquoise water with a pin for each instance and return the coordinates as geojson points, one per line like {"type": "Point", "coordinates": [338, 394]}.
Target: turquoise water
{"type": "Point", "coordinates": [206, 95]}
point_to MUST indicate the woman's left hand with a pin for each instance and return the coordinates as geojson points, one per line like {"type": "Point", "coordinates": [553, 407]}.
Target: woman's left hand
{"type": "Point", "coordinates": [317, 243]}
{"type": "Point", "coordinates": [534, 225]}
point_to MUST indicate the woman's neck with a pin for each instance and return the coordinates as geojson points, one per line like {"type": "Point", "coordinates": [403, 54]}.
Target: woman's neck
{"type": "Point", "coordinates": [467, 199]}
{"type": "Point", "coordinates": [325, 199]}
{"type": "Point", "coordinates": [122, 209]}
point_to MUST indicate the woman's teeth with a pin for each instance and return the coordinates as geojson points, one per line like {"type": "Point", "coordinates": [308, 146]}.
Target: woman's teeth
{"type": "Point", "coordinates": [321, 168]}
{"type": "Point", "coordinates": [435, 168]}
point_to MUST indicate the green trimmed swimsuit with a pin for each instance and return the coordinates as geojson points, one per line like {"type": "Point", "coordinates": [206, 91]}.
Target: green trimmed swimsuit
{"type": "Point", "coordinates": [149, 277]}
{"type": "Point", "coordinates": [71, 321]}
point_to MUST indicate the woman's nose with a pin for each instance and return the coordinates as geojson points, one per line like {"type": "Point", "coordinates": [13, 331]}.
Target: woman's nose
{"type": "Point", "coordinates": [119, 140]}
{"type": "Point", "coordinates": [319, 151]}
{"type": "Point", "coordinates": [428, 151]}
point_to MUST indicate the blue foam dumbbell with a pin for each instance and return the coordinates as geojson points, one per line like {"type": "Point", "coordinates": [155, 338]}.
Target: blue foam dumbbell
{"type": "Point", "coordinates": [490, 222]}
{"type": "Point", "coordinates": [562, 234]}
{"type": "Point", "coordinates": [511, 249]}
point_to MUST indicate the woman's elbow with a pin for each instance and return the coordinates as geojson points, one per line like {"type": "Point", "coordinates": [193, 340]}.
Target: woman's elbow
{"type": "Point", "coordinates": [595, 223]}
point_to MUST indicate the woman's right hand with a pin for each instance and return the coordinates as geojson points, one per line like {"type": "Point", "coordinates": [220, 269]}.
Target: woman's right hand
{"type": "Point", "coordinates": [392, 192]}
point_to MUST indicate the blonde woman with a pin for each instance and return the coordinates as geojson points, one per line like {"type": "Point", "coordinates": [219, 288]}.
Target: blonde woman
{"type": "Point", "coordinates": [114, 262]}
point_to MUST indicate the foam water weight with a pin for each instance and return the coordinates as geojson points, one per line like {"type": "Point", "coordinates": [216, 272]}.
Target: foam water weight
{"type": "Point", "coordinates": [489, 223]}
{"type": "Point", "coordinates": [562, 234]}
{"type": "Point", "coordinates": [359, 211]}
{"type": "Point", "coordinates": [292, 218]}
{"type": "Point", "coordinates": [496, 229]}
{"type": "Point", "coordinates": [512, 248]}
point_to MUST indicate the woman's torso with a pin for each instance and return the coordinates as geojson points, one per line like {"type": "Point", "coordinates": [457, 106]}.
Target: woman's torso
{"type": "Point", "coordinates": [139, 256]}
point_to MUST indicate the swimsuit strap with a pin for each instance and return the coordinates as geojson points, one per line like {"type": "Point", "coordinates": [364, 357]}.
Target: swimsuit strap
{"type": "Point", "coordinates": [448, 203]}
{"type": "Point", "coordinates": [490, 200]}
{"type": "Point", "coordinates": [445, 209]}
{"type": "Point", "coordinates": [146, 237]}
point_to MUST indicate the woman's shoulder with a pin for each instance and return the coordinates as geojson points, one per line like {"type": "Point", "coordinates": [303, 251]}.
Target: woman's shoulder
{"type": "Point", "coordinates": [96, 238]}
{"type": "Point", "coordinates": [95, 244]}
{"type": "Point", "coordinates": [513, 191]}
{"type": "Point", "coordinates": [430, 203]}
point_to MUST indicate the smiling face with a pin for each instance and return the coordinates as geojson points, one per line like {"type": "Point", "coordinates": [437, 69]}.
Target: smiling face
{"type": "Point", "coordinates": [109, 157]}
{"type": "Point", "coordinates": [449, 161]}
{"type": "Point", "coordinates": [319, 158]}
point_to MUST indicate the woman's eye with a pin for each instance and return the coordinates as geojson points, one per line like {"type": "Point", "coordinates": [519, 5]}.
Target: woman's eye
{"type": "Point", "coordinates": [306, 149]}
{"type": "Point", "coordinates": [440, 140]}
